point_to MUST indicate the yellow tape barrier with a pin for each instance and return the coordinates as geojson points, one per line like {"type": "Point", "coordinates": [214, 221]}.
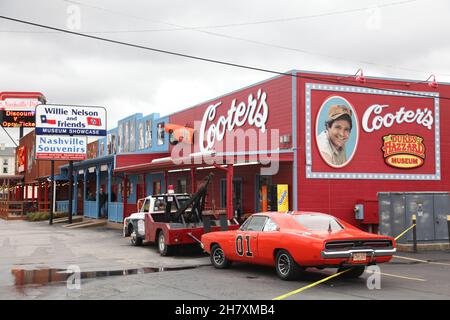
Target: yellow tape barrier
{"type": "Point", "coordinates": [401, 234]}
{"type": "Point", "coordinates": [309, 286]}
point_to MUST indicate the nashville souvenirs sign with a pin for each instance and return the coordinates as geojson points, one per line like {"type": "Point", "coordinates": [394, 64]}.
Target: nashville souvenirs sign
{"type": "Point", "coordinates": [70, 120]}
{"type": "Point", "coordinates": [393, 134]}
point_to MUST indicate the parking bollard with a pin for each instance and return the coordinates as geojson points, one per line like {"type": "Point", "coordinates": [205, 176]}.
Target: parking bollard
{"type": "Point", "coordinates": [414, 222]}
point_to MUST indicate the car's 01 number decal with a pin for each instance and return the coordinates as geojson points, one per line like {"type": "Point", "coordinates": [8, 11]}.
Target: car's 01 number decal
{"type": "Point", "coordinates": [240, 246]}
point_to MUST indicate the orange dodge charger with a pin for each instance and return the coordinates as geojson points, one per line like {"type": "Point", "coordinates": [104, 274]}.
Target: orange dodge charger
{"type": "Point", "coordinates": [294, 241]}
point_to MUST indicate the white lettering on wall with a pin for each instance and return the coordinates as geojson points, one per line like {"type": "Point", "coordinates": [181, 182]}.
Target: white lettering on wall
{"type": "Point", "coordinates": [372, 119]}
{"type": "Point", "coordinates": [255, 113]}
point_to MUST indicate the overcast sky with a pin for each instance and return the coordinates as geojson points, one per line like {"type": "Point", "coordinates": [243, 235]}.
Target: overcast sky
{"type": "Point", "coordinates": [393, 38]}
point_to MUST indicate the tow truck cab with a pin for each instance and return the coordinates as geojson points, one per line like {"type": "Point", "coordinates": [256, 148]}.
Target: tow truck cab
{"type": "Point", "coordinates": [134, 225]}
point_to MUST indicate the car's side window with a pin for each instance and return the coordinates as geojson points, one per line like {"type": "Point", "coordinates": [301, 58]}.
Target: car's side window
{"type": "Point", "coordinates": [270, 226]}
{"type": "Point", "coordinates": [257, 223]}
{"type": "Point", "coordinates": [245, 224]}
{"type": "Point", "coordinates": [146, 205]}
{"type": "Point", "coordinates": [160, 204]}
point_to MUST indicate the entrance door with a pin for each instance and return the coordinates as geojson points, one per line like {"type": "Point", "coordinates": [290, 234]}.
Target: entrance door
{"type": "Point", "coordinates": [266, 194]}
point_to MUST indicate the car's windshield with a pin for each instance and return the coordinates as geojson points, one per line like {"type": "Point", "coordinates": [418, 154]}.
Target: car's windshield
{"type": "Point", "coordinates": [315, 222]}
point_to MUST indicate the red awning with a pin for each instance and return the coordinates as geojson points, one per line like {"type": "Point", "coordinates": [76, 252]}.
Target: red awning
{"type": "Point", "coordinates": [199, 161]}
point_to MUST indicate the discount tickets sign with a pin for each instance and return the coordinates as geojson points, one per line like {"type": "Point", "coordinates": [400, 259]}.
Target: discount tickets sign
{"type": "Point", "coordinates": [70, 120]}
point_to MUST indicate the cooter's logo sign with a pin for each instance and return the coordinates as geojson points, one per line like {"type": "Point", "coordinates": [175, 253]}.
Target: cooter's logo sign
{"type": "Point", "coordinates": [403, 151]}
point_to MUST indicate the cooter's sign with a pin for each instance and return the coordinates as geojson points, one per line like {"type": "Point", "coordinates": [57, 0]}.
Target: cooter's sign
{"type": "Point", "coordinates": [70, 120]}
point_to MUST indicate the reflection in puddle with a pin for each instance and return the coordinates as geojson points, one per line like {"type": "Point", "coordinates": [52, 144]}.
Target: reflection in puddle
{"type": "Point", "coordinates": [46, 276]}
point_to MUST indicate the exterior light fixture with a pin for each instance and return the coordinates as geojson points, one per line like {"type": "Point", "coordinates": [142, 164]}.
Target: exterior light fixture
{"type": "Point", "coordinates": [359, 76]}
{"type": "Point", "coordinates": [432, 84]}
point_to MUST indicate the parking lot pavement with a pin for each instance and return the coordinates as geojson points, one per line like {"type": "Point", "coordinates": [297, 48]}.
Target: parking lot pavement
{"type": "Point", "coordinates": [36, 245]}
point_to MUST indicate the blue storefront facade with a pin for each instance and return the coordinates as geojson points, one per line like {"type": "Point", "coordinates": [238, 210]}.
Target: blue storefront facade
{"type": "Point", "coordinates": [99, 192]}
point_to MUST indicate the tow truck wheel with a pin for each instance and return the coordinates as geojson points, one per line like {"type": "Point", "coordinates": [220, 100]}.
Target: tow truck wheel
{"type": "Point", "coordinates": [135, 240]}
{"type": "Point", "coordinates": [354, 272]}
{"type": "Point", "coordinates": [286, 267]}
{"type": "Point", "coordinates": [163, 248]}
{"type": "Point", "coordinates": [218, 258]}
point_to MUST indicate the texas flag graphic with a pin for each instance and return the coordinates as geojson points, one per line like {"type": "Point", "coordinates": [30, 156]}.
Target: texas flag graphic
{"type": "Point", "coordinates": [94, 121]}
{"type": "Point", "coordinates": [44, 119]}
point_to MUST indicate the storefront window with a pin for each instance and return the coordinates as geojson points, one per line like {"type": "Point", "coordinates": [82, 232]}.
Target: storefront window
{"type": "Point", "coordinates": [148, 134]}
{"type": "Point", "coordinates": [181, 186]}
{"type": "Point", "coordinates": [157, 187]}
{"type": "Point", "coordinates": [160, 133]}
{"type": "Point", "coordinates": [141, 135]}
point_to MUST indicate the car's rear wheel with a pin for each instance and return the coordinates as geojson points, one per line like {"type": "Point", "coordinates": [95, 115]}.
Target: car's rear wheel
{"type": "Point", "coordinates": [218, 258]}
{"type": "Point", "coordinates": [353, 272]}
{"type": "Point", "coordinates": [286, 267]}
{"type": "Point", "coordinates": [163, 248]}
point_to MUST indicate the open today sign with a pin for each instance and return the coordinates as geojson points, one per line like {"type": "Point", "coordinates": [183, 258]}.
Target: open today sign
{"type": "Point", "coordinates": [70, 120]}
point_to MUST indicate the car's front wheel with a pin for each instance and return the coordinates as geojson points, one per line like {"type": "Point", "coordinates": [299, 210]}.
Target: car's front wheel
{"type": "Point", "coordinates": [353, 272]}
{"type": "Point", "coordinates": [218, 258]}
{"type": "Point", "coordinates": [163, 248]}
{"type": "Point", "coordinates": [286, 267]}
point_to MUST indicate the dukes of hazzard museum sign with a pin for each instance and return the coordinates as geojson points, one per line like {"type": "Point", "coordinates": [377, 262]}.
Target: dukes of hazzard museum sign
{"type": "Point", "coordinates": [364, 133]}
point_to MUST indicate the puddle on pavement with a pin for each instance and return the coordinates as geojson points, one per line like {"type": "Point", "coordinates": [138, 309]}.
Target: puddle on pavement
{"type": "Point", "coordinates": [47, 276]}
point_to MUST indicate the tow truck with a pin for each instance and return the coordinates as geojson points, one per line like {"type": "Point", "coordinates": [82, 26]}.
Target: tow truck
{"type": "Point", "coordinates": [174, 219]}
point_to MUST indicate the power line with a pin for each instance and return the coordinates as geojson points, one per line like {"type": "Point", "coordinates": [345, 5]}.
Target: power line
{"type": "Point", "coordinates": [10, 136]}
{"type": "Point", "coordinates": [240, 24]}
{"type": "Point", "coordinates": [195, 57]}
{"type": "Point", "coordinates": [261, 43]}
{"type": "Point", "coordinates": [266, 44]}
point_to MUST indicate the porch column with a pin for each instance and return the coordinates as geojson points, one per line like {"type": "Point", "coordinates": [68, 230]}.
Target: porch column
{"type": "Point", "coordinates": [144, 179]}
{"type": "Point", "coordinates": [32, 192]}
{"type": "Point", "coordinates": [97, 195]}
{"type": "Point", "coordinates": [38, 194]}
{"type": "Point", "coordinates": [166, 181]}
{"type": "Point", "coordinates": [124, 194]}
{"type": "Point", "coordinates": [46, 194]}
{"type": "Point", "coordinates": [230, 209]}
{"type": "Point", "coordinates": [85, 173]}
{"type": "Point", "coordinates": [75, 194]}
{"type": "Point", "coordinates": [26, 192]}
{"type": "Point", "coordinates": [193, 187]}
{"type": "Point", "coordinates": [109, 188]}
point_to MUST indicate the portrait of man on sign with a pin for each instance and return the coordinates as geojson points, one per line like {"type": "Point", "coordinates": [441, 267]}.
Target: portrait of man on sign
{"type": "Point", "coordinates": [336, 137]}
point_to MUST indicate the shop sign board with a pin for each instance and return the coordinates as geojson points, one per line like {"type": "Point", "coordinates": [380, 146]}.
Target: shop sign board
{"type": "Point", "coordinates": [54, 147]}
{"type": "Point", "coordinates": [70, 120]}
{"type": "Point", "coordinates": [282, 197]}
{"type": "Point", "coordinates": [16, 112]}
{"type": "Point", "coordinates": [21, 159]}
{"type": "Point", "coordinates": [369, 133]}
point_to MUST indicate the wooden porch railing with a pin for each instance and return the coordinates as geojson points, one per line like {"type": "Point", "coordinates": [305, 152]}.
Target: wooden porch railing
{"type": "Point", "coordinates": [12, 210]}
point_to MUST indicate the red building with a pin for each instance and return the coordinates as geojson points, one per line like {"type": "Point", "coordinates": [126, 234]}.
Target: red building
{"type": "Point", "coordinates": [394, 137]}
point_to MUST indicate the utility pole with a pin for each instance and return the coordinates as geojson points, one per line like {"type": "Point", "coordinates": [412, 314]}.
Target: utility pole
{"type": "Point", "coordinates": [52, 184]}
